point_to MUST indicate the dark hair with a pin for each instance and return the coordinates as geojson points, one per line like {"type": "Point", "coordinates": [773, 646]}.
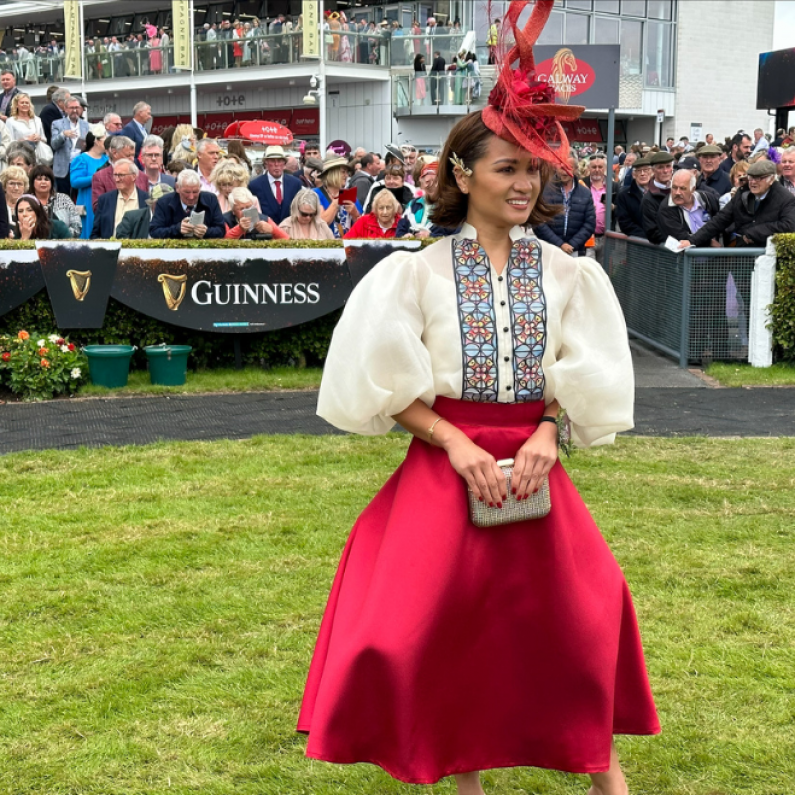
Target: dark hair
{"type": "Point", "coordinates": [419, 58]}
{"type": "Point", "coordinates": [396, 169]}
{"type": "Point", "coordinates": [469, 139]}
{"type": "Point", "coordinates": [237, 149]}
{"type": "Point", "coordinates": [168, 138]}
{"type": "Point", "coordinates": [175, 166]}
{"type": "Point", "coordinates": [42, 171]}
{"type": "Point", "coordinates": [50, 91]}
{"type": "Point", "coordinates": [43, 226]}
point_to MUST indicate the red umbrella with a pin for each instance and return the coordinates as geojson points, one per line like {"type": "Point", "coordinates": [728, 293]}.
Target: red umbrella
{"type": "Point", "coordinates": [266, 132]}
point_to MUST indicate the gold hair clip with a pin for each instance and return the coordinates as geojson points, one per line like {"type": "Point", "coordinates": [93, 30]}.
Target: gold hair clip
{"type": "Point", "coordinates": [457, 161]}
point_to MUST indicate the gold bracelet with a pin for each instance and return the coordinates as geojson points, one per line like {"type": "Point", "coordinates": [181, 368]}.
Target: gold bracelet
{"type": "Point", "coordinates": [433, 425]}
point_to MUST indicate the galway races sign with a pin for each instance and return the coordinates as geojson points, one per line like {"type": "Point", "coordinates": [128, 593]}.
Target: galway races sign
{"type": "Point", "coordinates": [582, 75]}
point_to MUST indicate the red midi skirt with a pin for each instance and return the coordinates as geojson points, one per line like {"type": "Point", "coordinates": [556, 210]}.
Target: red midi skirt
{"type": "Point", "coordinates": [447, 648]}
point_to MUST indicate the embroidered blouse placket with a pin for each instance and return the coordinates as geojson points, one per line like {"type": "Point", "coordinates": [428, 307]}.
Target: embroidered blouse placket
{"type": "Point", "coordinates": [503, 323]}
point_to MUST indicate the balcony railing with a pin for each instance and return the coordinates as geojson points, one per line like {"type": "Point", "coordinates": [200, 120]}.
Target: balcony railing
{"type": "Point", "coordinates": [369, 48]}
{"type": "Point", "coordinates": [445, 92]}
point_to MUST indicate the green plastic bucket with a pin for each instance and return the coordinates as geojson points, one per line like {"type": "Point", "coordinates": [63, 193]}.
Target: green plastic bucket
{"type": "Point", "coordinates": [109, 365]}
{"type": "Point", "coordinates": [168, 364]}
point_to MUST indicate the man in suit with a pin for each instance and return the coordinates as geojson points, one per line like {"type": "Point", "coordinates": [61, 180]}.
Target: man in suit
{"type": "Point", "coordinates": [113, 205]}
{"type": "Point", "coordinates": [275, 190]}
{"type": "Point", "coordinates": [152, 157]}
{"type": "Point", "coordinates": [171, 219]}
{"type": "Point", "coordinates": [54, 111]}
{"type": "Point", "coordinates": [8, 82]}
{"type": "Point", "coordinates": [136, 223]}
{"type": "Point", "coordinates": [65, 135]}
{"type": "Point", "coordinates": [136, 130]}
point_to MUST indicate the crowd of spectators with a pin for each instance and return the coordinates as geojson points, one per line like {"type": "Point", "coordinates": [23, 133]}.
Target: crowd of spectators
{"type": "Point", "coordinates": [183, 184]}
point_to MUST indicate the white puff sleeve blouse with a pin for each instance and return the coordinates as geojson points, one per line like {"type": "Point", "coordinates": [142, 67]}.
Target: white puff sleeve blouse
{"type": "Point", "coordinates": [443, 322]}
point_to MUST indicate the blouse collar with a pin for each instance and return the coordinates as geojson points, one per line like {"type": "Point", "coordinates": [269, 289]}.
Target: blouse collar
{"type": "Point", "coordinates": [468, 232]}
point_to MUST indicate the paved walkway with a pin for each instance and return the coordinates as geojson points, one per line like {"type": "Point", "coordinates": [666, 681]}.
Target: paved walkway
{"type": "Point", "coordinates": [669, 402]}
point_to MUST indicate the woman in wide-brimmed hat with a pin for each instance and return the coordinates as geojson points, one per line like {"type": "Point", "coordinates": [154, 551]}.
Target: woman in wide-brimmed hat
{"type": "Point", "coordinates": [449, 647]}
{"type": "Point", "coordinates": [333, 176]}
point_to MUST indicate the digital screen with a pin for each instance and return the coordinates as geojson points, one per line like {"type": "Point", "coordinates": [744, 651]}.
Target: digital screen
{"type": "Point", "coordinates": [776, 86]}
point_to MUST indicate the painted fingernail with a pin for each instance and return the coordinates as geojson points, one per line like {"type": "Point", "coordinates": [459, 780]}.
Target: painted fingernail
{"type": "Point", "coordinates": [499, 505]}
{"type": "Point", "coordinates": [513, 491]}
{"type": "Point", "coordinates": [480, 498]}
{"type": "Point", "coordinates": [491, 505]}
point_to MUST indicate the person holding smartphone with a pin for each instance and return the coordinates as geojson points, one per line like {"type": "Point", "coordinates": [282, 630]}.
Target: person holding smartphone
{"type": "Point", "coordinates": [338, 211]}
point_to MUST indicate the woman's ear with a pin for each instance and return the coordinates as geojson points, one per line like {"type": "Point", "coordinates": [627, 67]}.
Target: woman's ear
{"type": "Point", "coordinates": [461, 179]}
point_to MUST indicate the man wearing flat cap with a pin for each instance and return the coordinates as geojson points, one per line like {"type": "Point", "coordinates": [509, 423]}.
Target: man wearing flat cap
{"type": "Point", "coordinates": [712, 175]}
{"type": "Point", "coordinates": [662, 166]}
{"type": "Point", "coordinates": [762, 209]}
{"type": "Point", "coordinates": [628, 202]}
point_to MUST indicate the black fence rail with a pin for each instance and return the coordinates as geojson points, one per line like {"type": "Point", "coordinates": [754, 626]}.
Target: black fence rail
{"type": "Point", "coordinates": [693, 305]}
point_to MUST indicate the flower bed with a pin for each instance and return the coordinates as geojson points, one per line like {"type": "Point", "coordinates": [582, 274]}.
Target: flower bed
{"type": "Point", "coordinates": [39, 367]}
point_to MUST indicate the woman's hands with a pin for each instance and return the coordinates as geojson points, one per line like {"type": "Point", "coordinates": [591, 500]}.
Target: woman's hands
{"type": "Point", "coordinates": [535, 459]}
{"type": "Point", "coordinates": [27, 224]}
{"type": "Point", "coordinates": [479, 469]}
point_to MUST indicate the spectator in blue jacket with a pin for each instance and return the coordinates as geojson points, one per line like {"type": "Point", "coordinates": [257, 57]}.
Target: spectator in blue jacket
{"type": "Point", "coordinates": [576, 223]}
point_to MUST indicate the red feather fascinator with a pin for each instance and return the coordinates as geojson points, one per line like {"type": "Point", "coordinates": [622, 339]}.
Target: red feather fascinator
{"type": "Point", "coordinates": [522, 109]}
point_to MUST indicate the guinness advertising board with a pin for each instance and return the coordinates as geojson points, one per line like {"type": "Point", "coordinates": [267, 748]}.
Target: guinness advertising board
{"type": "Point", "coordinates": [228, 291]}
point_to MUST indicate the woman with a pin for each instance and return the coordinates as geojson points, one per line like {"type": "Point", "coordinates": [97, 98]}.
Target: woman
{"type": "Point", "coordinates": [226, 176]}
{"type": "Point", "coordinates": [448, 648]}
{"type": "Point", "coordinates": [33, 224]}
{"type": "Point", "coordinates": [21, 154]}
{"type": "Point", "coordinates": [155, 53]}
{"type": "Point", "coordinates": [416, 220]}
{"type": "Point", "coordinates": [183, 144]}
{"type": "Point", "coordinates": [381, 222]}
{"type": "Point", "coordinates": [15, 182]}
{"type": "Point", "coordinates": [238, 34]}
{"type": "Point", "coordinates": [23, 124]}
{"type": "Point", "coordinates": [333, 178]}
{"type": "Point", "coordinates": [56, 205]}
{"type": "Point", "coordinates": [304, 221]}
{"type": "Point", "coordinates": [394, 178]}
{"type": "Point", "coordinates": [82, 170]}
{"type": "Point", "coordinates": [240, 227]}
{"type": "Point", "coordinates": [236, 149]}
{"type": "Point", "coordinates": [420, 73]}
{"type": "Point", "coordinates": [738, 176]}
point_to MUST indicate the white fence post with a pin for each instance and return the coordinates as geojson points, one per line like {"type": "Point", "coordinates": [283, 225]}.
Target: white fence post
{"type": "Point", "coordinates": [763, 287]}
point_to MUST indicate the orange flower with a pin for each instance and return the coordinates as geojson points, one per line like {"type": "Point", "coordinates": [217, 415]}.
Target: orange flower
{"type": "Point", "coordinates": [43, 351]}
{"type": "Point", "coordinates": [45, 363]}
{"type": "Point", "coordinates": [23, 335]}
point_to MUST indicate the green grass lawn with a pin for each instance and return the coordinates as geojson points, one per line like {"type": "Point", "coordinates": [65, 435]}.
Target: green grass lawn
{"type": "Point", "coordinates": [249, 379]}
{"type": "Point", "coordinates": [160, 605]}
{"type": "Point", "coordinates": [731, 374]}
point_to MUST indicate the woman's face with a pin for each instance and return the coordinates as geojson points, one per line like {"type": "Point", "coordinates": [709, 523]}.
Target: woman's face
{"type": "Point", "coordinates": [23, 106]}
{"type": "Point", "coordinates": [306, 215]}
{"type": "Point", "coordinates": [504, 186]}
{"type": "Point", "coordinates": [740, 179]}
{"type": "Point", "coordinates": [427, 181]}
{"type": "Point", "coordinates": [225, 187]}
{"type": "Point", "coordinates": [393, 180]}
{"type": "Point", "coordinates": [25, 212]}
{"type": "Point", "coordinates": [22, 163]}
{"type": "Point", "coordinates": [14, 189]}
{"type": "Point", "coordinates": [42, 185]}
{"type": "Point", "coordinates": [385, 213]}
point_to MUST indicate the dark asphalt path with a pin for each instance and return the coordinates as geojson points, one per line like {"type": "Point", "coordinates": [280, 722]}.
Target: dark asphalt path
{"type": "Point", "coordinates": [669, 402]}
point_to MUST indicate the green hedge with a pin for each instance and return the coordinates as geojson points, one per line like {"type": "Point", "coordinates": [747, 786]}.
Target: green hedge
{"type": "Point", "coordinates": [783, 308]}
{"type": "Point", "coordinates": [300, 345]}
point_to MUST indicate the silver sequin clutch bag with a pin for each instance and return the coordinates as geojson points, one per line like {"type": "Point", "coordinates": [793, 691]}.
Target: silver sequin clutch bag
{"type": "Point", "coordinates": [535, 506]}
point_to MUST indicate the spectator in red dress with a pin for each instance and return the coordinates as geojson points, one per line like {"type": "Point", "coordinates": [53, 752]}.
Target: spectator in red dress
{"type": "Point", "coordinates": [381, 222]}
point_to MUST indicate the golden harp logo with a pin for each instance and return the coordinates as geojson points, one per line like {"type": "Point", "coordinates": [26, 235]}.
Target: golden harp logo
{"type": "Point", "coordinates": [81, 283]}
{"type": "Point", "coordinates": [174, 288]}
{"type": "Point", "coordinates": [566, 74]}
